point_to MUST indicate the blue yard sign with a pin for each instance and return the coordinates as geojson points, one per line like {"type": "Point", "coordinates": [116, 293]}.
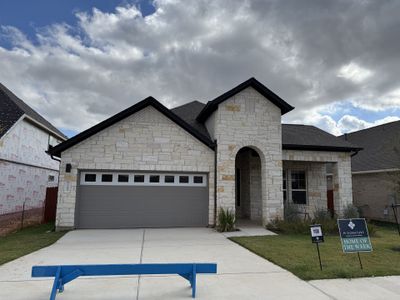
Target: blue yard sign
{"type": "Point", "coordinates": [354, 235]}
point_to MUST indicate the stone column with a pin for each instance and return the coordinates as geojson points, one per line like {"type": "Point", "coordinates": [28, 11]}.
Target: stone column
{"type": "Point", "coordinates": [342, 183]}
{"type": "Point", "coordinates": [225, 179]}
{"type": "Point", "coordinates": [272, 191]}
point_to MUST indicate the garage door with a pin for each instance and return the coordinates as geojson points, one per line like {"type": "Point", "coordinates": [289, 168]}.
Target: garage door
{"type": "Point", "coordinates": [129, 200]}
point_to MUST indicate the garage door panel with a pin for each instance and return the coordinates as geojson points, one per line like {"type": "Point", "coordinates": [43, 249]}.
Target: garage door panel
{"type": "Point", "coordinates": [141, 206]}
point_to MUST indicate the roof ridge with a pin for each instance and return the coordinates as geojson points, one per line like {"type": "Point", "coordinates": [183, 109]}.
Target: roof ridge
{"type": "Point", "coordinates": [28, 110]}
{"type": "Point", "coordinates": [372, 127]}
{"type": "Point", "coordinates": [185, 104]}
{"type": "Point", "coordinates": [212, 105]}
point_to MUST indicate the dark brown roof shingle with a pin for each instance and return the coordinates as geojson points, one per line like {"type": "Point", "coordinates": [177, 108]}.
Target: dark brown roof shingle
{"type": "Point", "coordinates": [379, 145]}
{"type": "Point", "coordinates": [12, 108]}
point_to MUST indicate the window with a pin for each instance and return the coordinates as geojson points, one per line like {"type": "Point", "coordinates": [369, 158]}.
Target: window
{"type": "Point", "coordinates": [284, 185]}
{"type": "Point", "coordinates": [169, 179]}
{"type": "Point", "coordinates": [299, 188]}
{"type": "Point", "coordinates": [106, 177]}
{"type": "Point", "coordinates": [237, 178]}
{"type": "Point", "coordinates": [51, 178]}
{"type": "Point", "coordinates": [183, 179]}
{"type": "Point", "coordinates": [123, 178]}
{"type": "Point", "coordinates": [138, 178]}
{"type": "Point", "coordinates": [197, 179]}
{"type": "Point", "coordinates": [154, 178]}
{"type": "Point", "coordinates": [90, 177]}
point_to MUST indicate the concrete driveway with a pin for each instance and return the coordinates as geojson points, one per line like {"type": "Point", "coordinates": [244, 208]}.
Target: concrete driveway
{"type": "Point", "coordinates": [241, 274]}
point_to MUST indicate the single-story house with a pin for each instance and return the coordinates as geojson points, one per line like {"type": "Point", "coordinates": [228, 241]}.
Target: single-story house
{"type": "Point", "coordinates": [150, 166]}
{"type": "Point", "coordinates": [26, 171]}
{"type": "Point", "coordinates": [376, 170]}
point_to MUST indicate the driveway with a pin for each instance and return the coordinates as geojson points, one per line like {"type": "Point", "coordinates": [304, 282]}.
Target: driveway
{"type": "Point", "coordinates": [241, 274]}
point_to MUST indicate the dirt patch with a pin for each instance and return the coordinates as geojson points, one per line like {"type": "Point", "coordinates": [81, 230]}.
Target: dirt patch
{"type": "Point", "coordinates": [13, 221]}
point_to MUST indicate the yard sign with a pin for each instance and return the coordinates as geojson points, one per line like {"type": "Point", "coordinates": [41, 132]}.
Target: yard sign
{"type": "Point", "coordinates": [354, 235]}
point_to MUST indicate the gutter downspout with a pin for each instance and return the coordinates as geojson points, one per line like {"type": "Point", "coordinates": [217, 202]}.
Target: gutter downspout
{"type": "Point", "coordinates": [355, 153]}
{"type": "Point", "coordinates": [215, 181]}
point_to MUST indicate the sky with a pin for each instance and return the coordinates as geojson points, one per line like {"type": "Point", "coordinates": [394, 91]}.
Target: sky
{"type": "Point", "coordinates": [79, 62]}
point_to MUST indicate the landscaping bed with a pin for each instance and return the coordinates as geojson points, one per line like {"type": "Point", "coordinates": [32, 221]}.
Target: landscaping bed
{"type": "Point", "coordinates": [297, 254]}
{"type": "Point", "coordinates": [26, 241]}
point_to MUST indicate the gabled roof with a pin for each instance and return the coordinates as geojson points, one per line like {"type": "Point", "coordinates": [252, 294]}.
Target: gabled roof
{"type": "Point", "coordinates": [211, 106]}
{"type": "Point", "coordinates": [13, 108]}
{"type": "Point", "coordinates": [149, 101]}
{"type": "Point", "coordinates": [188, 112]}
{"type": "Point", "coordinates": [296, 137]}
{"type": "Point", "coordinates": [306, 137]}
{"type": "Point", "coordinates": [379, 145]}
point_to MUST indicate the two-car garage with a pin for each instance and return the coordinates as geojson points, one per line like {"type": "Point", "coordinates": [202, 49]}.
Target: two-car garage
{"type": "Point", "coordinates": [115, 199]}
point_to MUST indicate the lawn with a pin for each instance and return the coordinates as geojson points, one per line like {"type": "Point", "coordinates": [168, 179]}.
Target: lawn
{"type": "Point", "coordinates": [26, 241]}
{"type": "Point", "coordinates": [298, 255]}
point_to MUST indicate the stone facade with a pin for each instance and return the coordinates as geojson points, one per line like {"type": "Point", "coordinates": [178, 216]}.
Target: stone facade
{"type": "Point", "coordinates": [316, 185]}
{"type": "Point", "coordinates": [145, 141]}
{"type": "Point", "coordinates": [248, 120]}
{"type": "Point", "coordinates": [342, 183]}
{"type": "Point", "coordinates": [248, 164]}
{"type": "Point", "coordinates": [149, 141]}
{"type": "Point", "coordinates": [374, 193]}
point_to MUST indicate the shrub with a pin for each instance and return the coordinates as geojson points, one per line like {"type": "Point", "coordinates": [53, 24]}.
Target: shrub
{"type": "Point", "coordinates": [226, 220]}
{"type": "Point", "coordinates": [350, 211]}
{"type": "Point", "coordinates": [291, 213]}
{"type": "Point", "coordinates": [372, 229]}
{"type": "Point", "coordinates": [323, 217]}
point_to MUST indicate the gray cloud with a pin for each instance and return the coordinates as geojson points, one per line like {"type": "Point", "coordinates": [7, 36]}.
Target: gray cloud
{"type": "Point", "coordinates": [312, 53]}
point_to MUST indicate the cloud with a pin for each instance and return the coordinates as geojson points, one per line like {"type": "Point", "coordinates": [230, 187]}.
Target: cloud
{"type": "Point", "coordinates": [322, 117]}
{"type": "Point", "coordinates": [354, 73]}
{"type": "Point", "coordinates": [312, 54]}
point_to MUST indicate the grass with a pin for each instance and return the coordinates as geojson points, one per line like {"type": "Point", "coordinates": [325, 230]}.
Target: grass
{"type": "Point", "coordinates": [298, 255]}
{"type": "Point", "coordinates": [26, 241]}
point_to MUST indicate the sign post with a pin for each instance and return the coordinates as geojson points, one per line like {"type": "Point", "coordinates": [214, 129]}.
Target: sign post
{"type": "Point", "coordinates": [317, 237]}
{"type": "Point", "coordinates": [394, 206]}
{"type": "Point", "coordinates": [354, 236]}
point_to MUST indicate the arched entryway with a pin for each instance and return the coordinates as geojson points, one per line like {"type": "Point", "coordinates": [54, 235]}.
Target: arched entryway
{"type": "Point", "coordinates": [248, 185]}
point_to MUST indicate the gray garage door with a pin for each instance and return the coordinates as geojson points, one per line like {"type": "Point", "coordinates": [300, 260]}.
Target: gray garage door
{"type": "Point", "coordinates": [129, 200]}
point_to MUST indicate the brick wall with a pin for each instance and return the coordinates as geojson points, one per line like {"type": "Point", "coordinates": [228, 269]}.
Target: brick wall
{"type": "Point", "coordinates": [374, 193]}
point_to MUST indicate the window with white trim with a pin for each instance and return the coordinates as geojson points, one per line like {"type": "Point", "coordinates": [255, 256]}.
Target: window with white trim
{"type": "Point", "coordinates": [123, 177]}
{"type": "Point", "coordinates": [138, 178]}
{"type": "Point", "coordinates": [183, 179]}
{"type": "Point", "coordinates": [90, 177]}
{"type": "Point", "coordinates": [298, 186]}
{"type": "Point", "coordinates": [133, 178]}
{"type": "Point", "coordinates": [284, 186]}
{"type": "Point", "coordinates": [294, 186]}
{"type": "Point", "coordinates": [106, 177]}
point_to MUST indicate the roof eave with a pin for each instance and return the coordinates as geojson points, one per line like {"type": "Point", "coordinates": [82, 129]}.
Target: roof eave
{"type": "Point", "coordinates": [252, 82]}
{"type": "Point", "coordinates": [149, 101]}
{"type": "Point", "coordinates": [320, 148]}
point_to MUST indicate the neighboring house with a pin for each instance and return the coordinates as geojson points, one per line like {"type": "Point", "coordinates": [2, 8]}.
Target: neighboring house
{"type": "Point", "coordinates": [149, 166]}
{"type": "Point", "coordinates": [25, 168]}
{"type": "Point", "coordinates": [376, 169]}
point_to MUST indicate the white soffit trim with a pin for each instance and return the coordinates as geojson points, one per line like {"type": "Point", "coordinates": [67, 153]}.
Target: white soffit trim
{"type": "Point", "coordinates": [44, 127]}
